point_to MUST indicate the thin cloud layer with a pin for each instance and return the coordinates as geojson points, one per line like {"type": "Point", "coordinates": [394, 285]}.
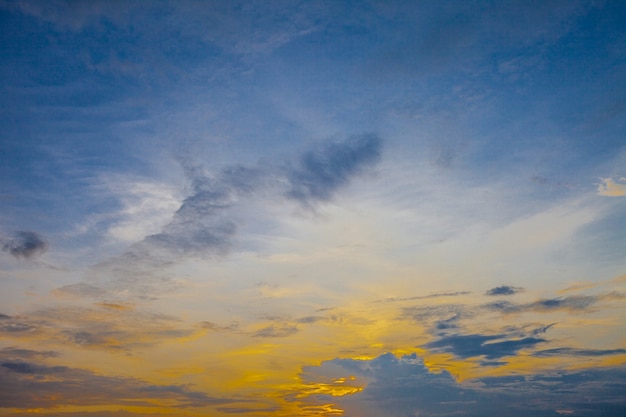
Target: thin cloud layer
{"type": "Point", "coordinates": [42, 386]}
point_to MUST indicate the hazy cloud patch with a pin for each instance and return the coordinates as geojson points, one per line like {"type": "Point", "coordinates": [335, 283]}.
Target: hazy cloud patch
{"type": "Point", "coordinates": [322, 172]}
{"type": "Point", "coordinates": [277, 330]}
{"type": "Point", "coordinates": [15, 353]}
{"type": "Point", "coordinates": [25, 245]}
{"type": "Point", "coordinates": [504, 290]}
{"type": "Point", "coordinates": [424, 297]}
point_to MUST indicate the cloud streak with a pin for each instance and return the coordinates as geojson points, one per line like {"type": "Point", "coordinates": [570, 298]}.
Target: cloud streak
{"type": "Point", "coordinates": [573, 303]}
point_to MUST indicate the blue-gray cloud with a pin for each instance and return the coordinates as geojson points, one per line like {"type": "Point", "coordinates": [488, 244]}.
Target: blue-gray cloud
{"type": "Point", "coordinates": [487, 346]}
{"type": "Point", "coordinates": [579, 352]}
{"type": "Point", "coordinates": [277, 330]}
{"type": "Point", "coordinates": [504, 290]}
{"type": "Point", "coordinates": [322, 172]}
{"type": "Point", "coordinates": [25, 245]}
{"type": "Point", "coordinates": [400, 387]}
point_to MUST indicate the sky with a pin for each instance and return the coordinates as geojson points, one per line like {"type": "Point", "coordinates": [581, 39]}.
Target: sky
{"type": "Point", "coordinates": [312, 208]}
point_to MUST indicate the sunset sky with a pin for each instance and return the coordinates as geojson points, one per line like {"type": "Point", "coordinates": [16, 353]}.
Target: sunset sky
{"type": "Point", "coordinates": [312, 208]}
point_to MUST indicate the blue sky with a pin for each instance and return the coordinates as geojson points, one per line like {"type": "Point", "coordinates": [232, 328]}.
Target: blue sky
{"type": "Point", "coordinates": [320, 208]}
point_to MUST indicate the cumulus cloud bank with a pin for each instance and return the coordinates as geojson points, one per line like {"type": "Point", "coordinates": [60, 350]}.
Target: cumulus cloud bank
{"type": "Point", "coordinates": [404, 386]}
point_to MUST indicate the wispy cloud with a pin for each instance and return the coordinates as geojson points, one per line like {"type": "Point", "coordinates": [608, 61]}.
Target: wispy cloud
{"type": "Point", "coordinates": [321, 173]}
{"type": "Point", "coordinates": [572, 303]}
{"type": "Point", "coordinates": [43, 386]}
{"type": "Point", "coordinates": [579, 352]}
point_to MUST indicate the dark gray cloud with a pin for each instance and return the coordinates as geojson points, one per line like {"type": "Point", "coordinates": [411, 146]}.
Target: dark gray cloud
{"type": "Point", "coordinates": [573, 303]}
{"type": "Point", "coordinates": [487, 346]}
{"type": "Point", "coordinates": [322, 172]}
{"type": "Point", "coordinates": [504, 290]}
{"type": "Point", "coordinates": [34, 385]}
{"type": "Point", "coordinates": [25, 245]}
{"type": "Point", "coordinates": [403, 386]}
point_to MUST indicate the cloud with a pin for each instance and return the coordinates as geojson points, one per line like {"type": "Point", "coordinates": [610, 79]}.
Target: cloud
{"type": "Point", "coordinates": [232, 327]}
{"type": "Point", "coordinates": [218, 205]}
{"type": "Point", "coordinates": [573, 303]}
{"type": "Point", "coordinates": [504, 290]}
{"type": "Point", "coordinates": [80, 289]}
{"type": "Point", "coordinates": [25, 245]}
{"type": "Point", "coordinates": [610, 188]}
{"type": "Point", "coordinates": [14, 353]}
{"type": "Point", "coordinates": [423, 297]}
{"type": "Point", "coordinates": [102, 328]}
{"type": "Point", "coordinates": [441, 317]}
{"type": "Point", "coordinates": [242, 410]}
{"type": "Point", "coordinates": [17, 325]}
{"type": "Point", "coordinates": [578, 352]}
{"type": "Point", "coordinates": [33, 385]}
{"type": "Point", "coordinates": [488, 346]}
{"type": "Point", "coordinates": [404, 386]}
{"type": "Point", "coordinates": [277, 330]}
{"type": "Point", "coordinates": [208, 220]}
{"type": "Point", "coordinates": [322, 172]}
